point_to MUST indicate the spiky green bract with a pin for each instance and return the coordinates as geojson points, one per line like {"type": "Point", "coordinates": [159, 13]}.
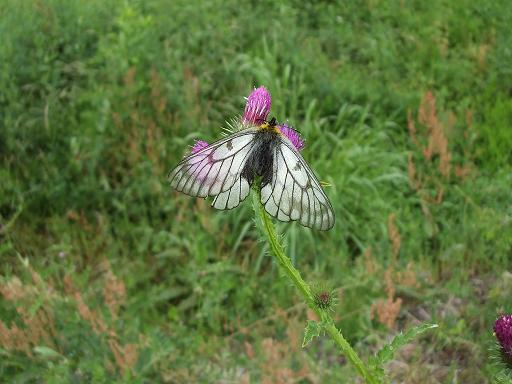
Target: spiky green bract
{"type": "Point", "coordinates": [501, 364]}
{"type": "Point", "coordinates": [324, 296]}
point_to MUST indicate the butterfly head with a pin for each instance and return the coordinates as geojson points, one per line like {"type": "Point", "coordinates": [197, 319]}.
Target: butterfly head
{"type": "Point", "coordinates": [283, 129]}
{"type": "Point", "coordinates": [271, 125]}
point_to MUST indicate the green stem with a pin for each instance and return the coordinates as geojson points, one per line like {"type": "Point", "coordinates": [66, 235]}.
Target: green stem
{"type": "Point", "coordinates": [294, 275]}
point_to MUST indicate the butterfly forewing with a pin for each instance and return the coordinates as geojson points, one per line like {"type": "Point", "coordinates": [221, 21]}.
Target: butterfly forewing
{"type": "Point", "coordinates": [295, 193]}
{"type": "Point", "coordinates": [216, 169]}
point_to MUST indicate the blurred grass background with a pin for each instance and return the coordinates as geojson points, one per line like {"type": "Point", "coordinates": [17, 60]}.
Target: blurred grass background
{"type": "Point", "coordinates": [108, 276]}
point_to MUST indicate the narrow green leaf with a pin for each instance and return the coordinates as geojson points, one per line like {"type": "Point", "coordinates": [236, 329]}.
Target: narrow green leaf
{"type": "Point", "coordinates": [313, 329]}
{"type": "Point", "coordinates": [46, 352]}
{"type": "Point", "coordinates": [387, 352]}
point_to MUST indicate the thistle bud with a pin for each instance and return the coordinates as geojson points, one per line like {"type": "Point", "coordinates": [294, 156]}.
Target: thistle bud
{"type": "Point", "coordinates": [324, 297]}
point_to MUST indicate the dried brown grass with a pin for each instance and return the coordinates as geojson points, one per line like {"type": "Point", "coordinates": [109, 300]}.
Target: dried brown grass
{"type": "Point", "coordinates": [36, 324]}
{"type": "Point", "coordinates": [432, 143]}
{"type": "Point", "coordinates": [437, 160]}
{"type": "Point", "coordinates": [35, 301]}
{"type": "Point", "coordinates": [114, 296]}
{"type": "Point", "coordinates": [275, 366]}
{"type": "Point", "coordinates": [386, 311]}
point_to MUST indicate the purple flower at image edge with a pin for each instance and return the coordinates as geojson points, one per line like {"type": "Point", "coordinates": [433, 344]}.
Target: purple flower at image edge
{"type": "Point", "coordinates": [292, 135]}
{"type": "Point", "coordinates": [503, 332]}
{"type": "Point", "coordinates": [257, 106]}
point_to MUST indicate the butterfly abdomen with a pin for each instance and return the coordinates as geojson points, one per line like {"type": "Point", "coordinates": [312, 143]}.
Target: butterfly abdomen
{"type": "Point", "coordinates": [261, 159]}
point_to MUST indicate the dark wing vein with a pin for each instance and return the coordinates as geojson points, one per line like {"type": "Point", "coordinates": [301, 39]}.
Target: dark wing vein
{"type": "Point", "coordinates": [311, 175]}
{"type": "Point", "coordinates": [222, 195]}
{"type": "Point", "coordinates": [198, 173]}
{"type": "Point", "coordinates": [315, 209]}
{"type": "Point", "coordinates": [209, 149]}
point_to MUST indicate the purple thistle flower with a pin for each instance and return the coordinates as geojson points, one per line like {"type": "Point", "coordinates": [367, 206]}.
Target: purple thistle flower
{"type": "Point", "coordinates": [199, 172]}
{"type": "Point", "coordinates": [256, 111]}
{"type": "Point", "coordinates": [198, 145]}
{"type": "Point", "coordinates": [257, 107]}
{"type": "Point", "coordinates": [292, 135]}
{"type": "Point", "coordinates": [503, 332]}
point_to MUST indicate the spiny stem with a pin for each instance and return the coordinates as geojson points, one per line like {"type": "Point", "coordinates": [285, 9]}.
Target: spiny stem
{"type": "Point", "coordinates": [294, 275]}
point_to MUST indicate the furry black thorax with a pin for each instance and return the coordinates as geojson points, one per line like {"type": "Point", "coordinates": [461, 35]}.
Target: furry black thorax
{"type": "Point", "coordinates": [261, 160]}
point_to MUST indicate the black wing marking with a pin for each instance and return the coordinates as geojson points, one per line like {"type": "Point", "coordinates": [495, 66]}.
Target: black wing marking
{"type": "Point", "coordinates": [216, 169]}
{"type": "Point", "coordinates": [295, 193]}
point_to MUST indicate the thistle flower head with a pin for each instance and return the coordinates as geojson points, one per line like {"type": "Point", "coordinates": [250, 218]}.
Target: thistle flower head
{"type": "Point", "coordinates": [198, 145]}
{"type": "Point", "coordinates": [257, 107]}
{"type": "Point", "coordinates": [503, 332]}
{"type": "Point", "coordinates": [292, 135]}
{"type": "Point", "coordinates": [200, 172]}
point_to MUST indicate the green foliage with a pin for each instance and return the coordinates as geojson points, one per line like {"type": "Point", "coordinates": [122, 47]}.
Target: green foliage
{"type": "Point", "coordinates": [496, 132]}
{"type": "Point", "coordinates": [312, 330]}
{"type": "Point", "coordinates": [501, 367]}
{"type": "Point", "coordinates": [99, 99]}
{"type": "Point", "coordinates": [388, 351]}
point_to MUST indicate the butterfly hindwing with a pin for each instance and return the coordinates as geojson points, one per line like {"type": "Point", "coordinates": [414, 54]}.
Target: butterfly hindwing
{"type": "Point", "coordinates": [295, 193]}
{"type": "Point", "coordinates": [232, 197]}
{"type": "Point", "coordinates": [215, 170]}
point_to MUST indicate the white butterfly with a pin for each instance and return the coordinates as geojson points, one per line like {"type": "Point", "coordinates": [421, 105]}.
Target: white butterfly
{"type": "Point", "coordinates": [227, 168]}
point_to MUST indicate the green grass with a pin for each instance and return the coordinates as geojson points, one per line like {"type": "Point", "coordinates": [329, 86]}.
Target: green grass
{"type": "Point", "coordinates": [99, 99]}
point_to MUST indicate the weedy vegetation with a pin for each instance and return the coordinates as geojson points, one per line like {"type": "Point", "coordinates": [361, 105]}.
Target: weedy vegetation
{"type": "Point", "coordinates": [108, 276]}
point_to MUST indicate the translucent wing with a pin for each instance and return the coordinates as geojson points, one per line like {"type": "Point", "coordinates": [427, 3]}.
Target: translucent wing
{"type": "Point", "coordinates": [215, 171]}
{"type": "Point", "coordinates": [295, 193]}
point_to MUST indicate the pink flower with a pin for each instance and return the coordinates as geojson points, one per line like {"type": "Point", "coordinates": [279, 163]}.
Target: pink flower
{"type": "Point", "coordinates": [503, 332]}
{"type": "Point", "coordinates": [292, 135]}
{"type": "Point", "coordinates": [256, 111]}
{"type": "Point", "coordinates": [198, 168]}
{"type": "Point", "coordinates": [257, 107]}
{"type": "Point", "coordinates": [198, 145]}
